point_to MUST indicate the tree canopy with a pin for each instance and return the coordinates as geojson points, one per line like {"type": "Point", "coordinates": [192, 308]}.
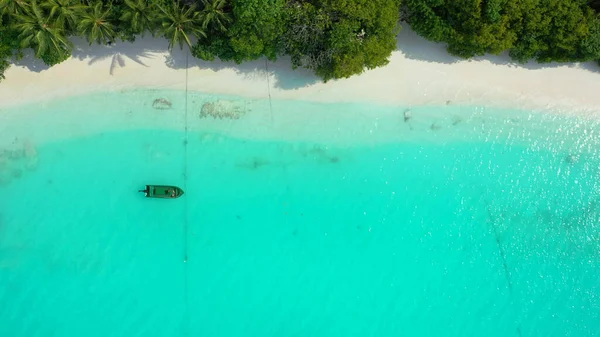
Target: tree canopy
{"type": "Point", "coordinates": [540, 30]}
{"type": "Point", "coordinates": [334, 38]}
{"type": "Point", "coordinates": [340, 38]}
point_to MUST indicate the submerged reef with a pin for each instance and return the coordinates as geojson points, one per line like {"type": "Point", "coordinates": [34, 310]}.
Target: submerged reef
{"type": "Point", "coordinates": [407, 115]}
{"type": "Point", "coordinates": [223, 109]}
{"type": "Point", "coordinates": [551, 226]}
{"type": "Point", "coordinates": [15, 159]}
{"type": "Point", "coordinates": [572, 158]}
{"type": "Point", "coordinates": [252, 163]}
{"type": "Point", "coordinates": [162, 104]}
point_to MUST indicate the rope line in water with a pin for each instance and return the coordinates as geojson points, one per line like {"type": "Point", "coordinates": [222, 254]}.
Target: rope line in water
{"type": "Point", "coordinates": [504, 264]}
{"type": "Point", "coordinates": [185, 165]}
{"type": "Point", "coordinates": [269, 90]}
{"type": "Point", "coordinates": [500, 249]}
{"type": "Point", "coordinates": [186, 319]}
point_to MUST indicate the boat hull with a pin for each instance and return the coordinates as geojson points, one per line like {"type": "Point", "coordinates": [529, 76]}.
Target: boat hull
{"type": "Point", "coordinates": [162, 192]}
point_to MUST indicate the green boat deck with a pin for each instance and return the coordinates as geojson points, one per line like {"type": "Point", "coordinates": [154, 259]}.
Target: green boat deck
{"type": "Point", "coordinates": [162, 191]}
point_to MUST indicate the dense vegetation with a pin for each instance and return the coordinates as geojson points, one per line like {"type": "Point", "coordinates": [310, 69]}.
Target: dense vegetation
{"type": "Point", "coordinates": [541, 30]}
{"type": "Point", "coordinates": [334, 38]}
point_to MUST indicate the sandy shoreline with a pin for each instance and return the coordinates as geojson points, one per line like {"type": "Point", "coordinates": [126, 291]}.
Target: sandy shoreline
{"type": "Point", "coordinates": [419, 73]}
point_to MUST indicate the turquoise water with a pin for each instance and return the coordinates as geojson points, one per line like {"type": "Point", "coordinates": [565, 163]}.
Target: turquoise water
{"type": "Point", "coordinates": [428, 232]}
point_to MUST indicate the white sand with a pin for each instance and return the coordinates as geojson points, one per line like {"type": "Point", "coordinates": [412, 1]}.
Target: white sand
{"type": "Point", "coordinates": [419, 73]}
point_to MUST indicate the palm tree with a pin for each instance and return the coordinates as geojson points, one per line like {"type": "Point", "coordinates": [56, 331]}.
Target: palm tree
{"type": "Point", "coordinates": [213, 14]}
{"type": "Point", "coordinates": [36, 32]}
{"type": "Point", "coordinates": [64, 12]}
{"type": "Point", "coordinates": [95, 26]}
{"type": "Point", "coordinates": [178, 21]}
{"type": "Point", "coordinates": [139, 15]}
{"type": "Point", "coordinates": [13, 7]}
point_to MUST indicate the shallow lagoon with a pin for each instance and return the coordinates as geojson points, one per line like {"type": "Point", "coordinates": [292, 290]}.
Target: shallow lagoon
{"type": "Point", "coordinates": [360, 220]}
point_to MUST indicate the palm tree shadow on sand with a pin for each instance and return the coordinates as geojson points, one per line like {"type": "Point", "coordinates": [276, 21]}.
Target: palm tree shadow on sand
{"type": "Point", "coordinates": [281, 72]}
{"type": "Point", "coordinates": [118, 53]}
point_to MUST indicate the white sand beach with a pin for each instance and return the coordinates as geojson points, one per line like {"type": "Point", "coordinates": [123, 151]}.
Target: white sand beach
{"type": "Point", "coordinates": [419, 72]}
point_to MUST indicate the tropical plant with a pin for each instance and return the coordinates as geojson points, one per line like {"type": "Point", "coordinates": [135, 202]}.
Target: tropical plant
{"type": "Point", "coordinates": [334, 38]}
{"type": "Point", "coordinates": [550, 31]}
{"type": "Point", "coordinates": [178, 21]}
{"type": "Point", "coordinates": [306, 36]}
{"type": "Point", "coordinates": [256, 29]}
{"type": "Point", "coordinates": [213, 14]}
{"type": "Point", "coordinates": [469, 27]}
{"type": "Point", "coordinates": [64, 12]}
{"type": "Point", "coordinates": [139, 16]}
{"type": "Point", "coordinates": [590, 46]}
{"type": "Point", "coordinates": [95, 24]}
{"type": "Point", "coordinates": [8, 44]}
{"type": "Point", "coordinates": [38, 32]}
{"type": "Point", "coordinates": [13, 7]}
{"type": "Point", "coordinates": [337, 39]}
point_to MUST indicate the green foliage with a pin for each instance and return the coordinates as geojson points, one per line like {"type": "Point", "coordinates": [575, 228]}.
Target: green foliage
{"type": "Point", "coordinates": [544, 30]}
{"type": "Point", "coordinates": [64, 13]}
{"type": "Point", "coordinates": [214, 15]}
{"type": "Point", "coordinates": [305, 36]}
{"type": "Point", "coordinates": [334, 38]}
{"type": "Point", "coordinates": [424, 19]}
{"type": "Point", "coordinates": [550, 30]}
{"type": "Point", "coordinates": [257, 26]}
{"type": "Point", "coordinates": [590, 46]}
{"type": "Point", "coordinates": [492, 10]}
{"type": "Point", "coordinates": [95, 24]}
{"type": "Point", "coordinates": [54, 56]}
{"type": "Point", "coordinates": [340, 38]}
{"type": "Point", "coordinates": [8, 44]}
{"type": "Point", "coordinates": [38, 31]}
{"type": "Point", "coordinates": [469, 27]}
{"type": "Point", "coordinates": [179, 21]}
{"type": "Point", "coordinates": [137, 17]}
{"type": "Point", "coordinates": [217, 46]}
{"type": "Point", "coordinates": [13, 7]}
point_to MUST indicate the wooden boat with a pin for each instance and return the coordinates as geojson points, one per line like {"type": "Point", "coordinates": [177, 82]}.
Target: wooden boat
{"type": "Point", "coordinates": [162, 191]}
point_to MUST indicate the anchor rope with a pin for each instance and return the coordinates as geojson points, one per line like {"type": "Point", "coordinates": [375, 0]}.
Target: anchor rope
{"type": "Point", "coordinates": [185, 206]}
{"type": "Point", "coordinates": [269, 91]}
{"type": "Point", "coordinates": [502, 254]}
{"type": "Point", "coordinates": [185, 164]}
